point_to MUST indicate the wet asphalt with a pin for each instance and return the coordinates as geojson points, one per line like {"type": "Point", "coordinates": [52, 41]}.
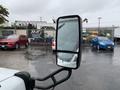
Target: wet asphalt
{"type": "Point", "coordinates": [99, 70]}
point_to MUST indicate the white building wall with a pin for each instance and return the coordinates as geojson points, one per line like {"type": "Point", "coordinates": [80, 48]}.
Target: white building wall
{"type": "Point", "coordinates": [21, 32]}
{"type": "Point", "coordinates": [117, 33]}
{"type": "Point", "coordinates": [40, 25]}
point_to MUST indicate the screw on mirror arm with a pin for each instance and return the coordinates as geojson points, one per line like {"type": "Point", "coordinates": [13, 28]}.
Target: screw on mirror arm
{"type": "Point", "coordinates": [52, 76]}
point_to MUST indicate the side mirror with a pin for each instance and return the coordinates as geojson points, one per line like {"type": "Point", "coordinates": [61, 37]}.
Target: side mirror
{"type": "Point", "coordinates": [68, 41]}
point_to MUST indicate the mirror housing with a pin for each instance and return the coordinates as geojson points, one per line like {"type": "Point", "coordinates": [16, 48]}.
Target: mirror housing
{"type": "Point", "coordinates": [68, 41]}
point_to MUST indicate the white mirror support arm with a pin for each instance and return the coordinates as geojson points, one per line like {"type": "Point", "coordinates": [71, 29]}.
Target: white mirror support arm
{"type": "Point", "coordinates": [52, 76]}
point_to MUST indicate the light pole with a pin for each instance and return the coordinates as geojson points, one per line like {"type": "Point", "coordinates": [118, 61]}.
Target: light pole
{"type": "Point", "coordinates": [113, 26]}
{"type": "Point", "coordinates": [99, 18]}
{"type": "Point", "coordinates": [40, 18]}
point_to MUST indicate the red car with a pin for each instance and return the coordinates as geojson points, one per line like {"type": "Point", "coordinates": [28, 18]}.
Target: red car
{"type": "Point", "coordinates": [14, 42]}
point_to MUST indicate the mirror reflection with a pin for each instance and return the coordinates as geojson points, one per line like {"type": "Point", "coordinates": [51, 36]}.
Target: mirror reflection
{"type": "Point", "coordinates": [68, 40]}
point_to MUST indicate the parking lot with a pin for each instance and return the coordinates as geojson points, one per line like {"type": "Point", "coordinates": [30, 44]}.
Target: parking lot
{"type": "Point", "coordinates": [99, 70]}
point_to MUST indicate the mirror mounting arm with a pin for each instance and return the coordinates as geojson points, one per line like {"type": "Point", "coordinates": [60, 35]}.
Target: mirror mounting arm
{"type": "Point", "coordinates": [52, 76]}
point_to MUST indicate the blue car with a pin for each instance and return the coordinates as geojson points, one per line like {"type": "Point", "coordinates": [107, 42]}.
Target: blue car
{"type": "Point", "coordinates": [102, 43]}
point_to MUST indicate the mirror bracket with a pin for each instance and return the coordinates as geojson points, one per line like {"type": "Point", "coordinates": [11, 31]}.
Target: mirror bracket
{"type": "Point", "coordinates": [52, 76]}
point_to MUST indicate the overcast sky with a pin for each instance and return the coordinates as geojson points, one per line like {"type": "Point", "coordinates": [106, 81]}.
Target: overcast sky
{"type": "Point", "coordinates": [109, 10]}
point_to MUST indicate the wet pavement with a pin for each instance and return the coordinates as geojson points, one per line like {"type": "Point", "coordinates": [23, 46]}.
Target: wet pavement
{"type": "Point", "coordinates": [99, 70]}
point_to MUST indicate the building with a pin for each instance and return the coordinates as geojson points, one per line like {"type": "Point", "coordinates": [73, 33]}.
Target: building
{"type": "Point", "coordinates": [25, 23]}
{"type": "Point", "coordinates": [101, 30]}
{"type": "Point", "coordinates": [89, 33]}
{"type": "Point", "coordinates": [38, 26]}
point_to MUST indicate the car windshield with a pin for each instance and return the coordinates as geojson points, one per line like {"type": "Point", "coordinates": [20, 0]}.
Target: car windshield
{"type": "Point", "coordinates": [12, 37]}
{"type": "Point", "coordinates": [103, 38]}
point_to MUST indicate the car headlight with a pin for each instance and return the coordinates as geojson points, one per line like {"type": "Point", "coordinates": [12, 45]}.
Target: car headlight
{"type": "Point", "coordinates": [113, 43]}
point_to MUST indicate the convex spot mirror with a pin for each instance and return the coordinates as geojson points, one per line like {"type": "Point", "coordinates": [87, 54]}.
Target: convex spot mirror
{"type": "Point", "coordinates": [68, 41]}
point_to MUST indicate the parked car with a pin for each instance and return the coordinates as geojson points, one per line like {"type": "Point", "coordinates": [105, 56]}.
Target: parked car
{"type": "Point", "coordinates": [14, 42]}
{"type": "Point", "coordinates": [37, 39]}
{"type": "Point", "coordinates": [53, 45]}
{"type": "Point", "coordinates": [102, 43]}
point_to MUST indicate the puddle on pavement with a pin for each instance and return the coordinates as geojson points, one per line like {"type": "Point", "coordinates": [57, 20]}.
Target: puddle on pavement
{"type": "Point", "coordinates": [34, 53]}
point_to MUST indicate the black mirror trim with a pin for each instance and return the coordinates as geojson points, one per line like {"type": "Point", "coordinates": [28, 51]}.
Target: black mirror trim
{"type": "Point", "coordinates": [64, 51]}
{"type": "Point", "coordinates": [80, 36]}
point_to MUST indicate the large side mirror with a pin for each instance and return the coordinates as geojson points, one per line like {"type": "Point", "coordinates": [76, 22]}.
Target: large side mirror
{"type": "Point", "coordinates": [68, 41]}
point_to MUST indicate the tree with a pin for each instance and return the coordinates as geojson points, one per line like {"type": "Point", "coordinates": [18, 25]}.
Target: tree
{"type": "Point", "coordinates": [3, 14]}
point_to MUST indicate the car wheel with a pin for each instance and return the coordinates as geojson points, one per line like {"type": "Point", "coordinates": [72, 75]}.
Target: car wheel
{"type": "Point", "coordinates": [17, 46]}
{"type": "Point", "coordinates": [26, 45]}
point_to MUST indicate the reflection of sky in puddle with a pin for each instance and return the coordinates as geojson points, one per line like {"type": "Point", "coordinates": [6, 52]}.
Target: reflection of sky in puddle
{"type": "Point", "coordinates": [90, 56]}
{"type": "Point", "coordinates": [116, 61]}
{"type": "Point", "coordinates": [116, 58]}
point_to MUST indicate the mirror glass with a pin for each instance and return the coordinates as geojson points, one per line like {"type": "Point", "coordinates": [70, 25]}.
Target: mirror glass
{"type": "Point", "coordinates": [68, 42]}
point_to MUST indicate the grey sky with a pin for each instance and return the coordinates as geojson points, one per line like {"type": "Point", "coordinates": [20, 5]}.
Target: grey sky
{"type": "Point", "coordinates": [109, 10]}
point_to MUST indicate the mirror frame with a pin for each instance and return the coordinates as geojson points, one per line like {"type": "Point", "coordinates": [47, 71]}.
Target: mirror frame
{"type": "Point", "coordinates": [80, 39]}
